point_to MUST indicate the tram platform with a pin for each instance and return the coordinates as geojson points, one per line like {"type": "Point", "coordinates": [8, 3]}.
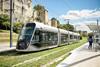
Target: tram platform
{"type": "Point", "coordinates": [82, 57]}
{"type": "Point", "coordinates": [6, 47]}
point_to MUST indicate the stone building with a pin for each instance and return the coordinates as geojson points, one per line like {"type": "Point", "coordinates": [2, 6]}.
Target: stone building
{"type": "Point", "coordinates": [41, 16]}
{"type": "Point", "coordinates": [54, 22]}
{"type": "Point", "coordinates": [22, 9]}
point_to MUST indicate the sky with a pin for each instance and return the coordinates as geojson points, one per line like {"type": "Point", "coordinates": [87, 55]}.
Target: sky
{"type": "Point", "coordinates": [78, 11]}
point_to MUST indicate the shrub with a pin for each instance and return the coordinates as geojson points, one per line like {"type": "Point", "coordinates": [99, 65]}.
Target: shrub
{"type": "Point", "coordinates": [4, 22]}
{"type": "Point", "coordinates": [17, 27]}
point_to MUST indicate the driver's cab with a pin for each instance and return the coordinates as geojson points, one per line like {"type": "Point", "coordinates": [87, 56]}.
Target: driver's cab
{"type": "Point", "coordinates": [25, 36]}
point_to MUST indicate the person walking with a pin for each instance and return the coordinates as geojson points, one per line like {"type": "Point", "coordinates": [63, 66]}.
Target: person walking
{"type": "Point", "coordinates": [90, 40]}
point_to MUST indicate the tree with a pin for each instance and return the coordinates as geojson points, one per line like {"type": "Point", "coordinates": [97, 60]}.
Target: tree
{"type": "Point", "coordinates": [68, 27]}
{"type": "Point", "coordinates": [90, 34]}
{"type": "Point", "coordinates": [4, 18]}
{"type": "Point", "coordinates": [39, 8]}
{"type": "Point", "coordinates": [58, 24]}
{"type": "Point", "coordinates": [4, 21]}
{"type": "Point", "coordinates": [17, 27]}
{"type": "Point", "coordinates": [53, 18]}
{"type": "Point", "coordinates": [6, 25]}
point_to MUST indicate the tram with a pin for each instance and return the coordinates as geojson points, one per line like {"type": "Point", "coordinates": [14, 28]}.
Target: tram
{"type": "Point", "coordinates": [35, 36]}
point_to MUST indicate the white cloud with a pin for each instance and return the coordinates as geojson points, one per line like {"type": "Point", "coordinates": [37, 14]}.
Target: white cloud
{"type": "Point", "coordinates": [81, 14]}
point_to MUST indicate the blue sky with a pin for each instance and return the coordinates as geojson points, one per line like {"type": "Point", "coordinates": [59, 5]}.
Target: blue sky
{"type": "Point", "coordinates": [87, 10]}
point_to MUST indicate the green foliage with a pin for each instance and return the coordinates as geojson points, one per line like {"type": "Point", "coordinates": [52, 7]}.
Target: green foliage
{"type": "Point", "coordinates": [39, 7]}
{"type": "Point", "coordinates": [7, 59]}
{"type": "Point", "coordinates": [53, 18]}
{"type": "Point", "coordinates": [67, 27]}
{"type": "Point", "coordinates": [90, 34]}
{"type": "Point", "coordinates": [58, 24]}
{"type": "Point", "coordinates": [6, 25]}
{"type": "Point", "coordinates": [17, 27]}
{"type": "Point", "coordinates": [4, 22]}
{"type": "Point", "coordinates": [4, 18]}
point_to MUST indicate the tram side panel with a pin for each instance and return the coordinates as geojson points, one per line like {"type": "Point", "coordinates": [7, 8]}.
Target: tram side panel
{"type": "Point", "coordinates": [45, 38]}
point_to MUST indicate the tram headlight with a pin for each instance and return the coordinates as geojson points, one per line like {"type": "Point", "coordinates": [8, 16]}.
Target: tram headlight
{"type": "Point", "coordinates": [22, 45]}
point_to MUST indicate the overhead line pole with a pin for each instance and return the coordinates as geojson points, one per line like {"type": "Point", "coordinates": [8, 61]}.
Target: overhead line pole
{"type": "Point", "coordinates": [11, 27]}
{"type": "Point", "coordinates": [98, 26]}
{"type": "Point", "coordinates": [68, 31]}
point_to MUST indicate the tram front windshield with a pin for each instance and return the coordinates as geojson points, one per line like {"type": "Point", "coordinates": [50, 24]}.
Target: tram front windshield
{"type": "Point", "coordinates": [27, 32]}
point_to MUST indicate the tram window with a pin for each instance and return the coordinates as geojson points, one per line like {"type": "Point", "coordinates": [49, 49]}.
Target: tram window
{"type": "Point", "coordinates": [36, 36]}
{"type": "Point", "coordinates": [28, 29]}
{"type": "Point", "coordinates": [97, 40]}
{"type": "Point", "coordinates": [49, 36]}
{"type": "Point", "coordinates": [45, 38]}
{"type": "Point", "coordinates": [64, 38]}
{"type": "Point", "coordinates": [97, 36]}
{"type": "Point", "coordinates": [27, 32]}
{"type": "Point", "coordinates": [71, 36]}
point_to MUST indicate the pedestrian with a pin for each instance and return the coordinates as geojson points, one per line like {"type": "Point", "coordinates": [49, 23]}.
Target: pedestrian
{"type": "Point", "coordinates": [90, 40]}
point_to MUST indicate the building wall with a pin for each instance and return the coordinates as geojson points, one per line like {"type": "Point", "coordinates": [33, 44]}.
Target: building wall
{"type": "Point", "coordinates": [46, 17]}
{"type": "Point", "coordinates": [49, 22]}
{"type": "Point", "coordinates": [4, 6]}
{"type": "Point", "coordinates": [22, 9]}
{"type": "Point", "coordinates": [54, 23]}
{"type": "Point", "coordinates": [42, 16]}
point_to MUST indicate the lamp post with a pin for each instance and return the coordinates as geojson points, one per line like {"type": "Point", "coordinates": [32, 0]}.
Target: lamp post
{"type": "Point", "coordinates": [67, 20]}
{"type": "Point", "coordinates": [11, 26]}
{"type": "Point", "coordinates": [68, 31]}
{"type": "Point", "coordinates": [98, 30]}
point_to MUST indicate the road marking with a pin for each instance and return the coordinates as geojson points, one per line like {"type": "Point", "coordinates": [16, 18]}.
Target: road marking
{"type": "Point", "coordinates": [36, 58]}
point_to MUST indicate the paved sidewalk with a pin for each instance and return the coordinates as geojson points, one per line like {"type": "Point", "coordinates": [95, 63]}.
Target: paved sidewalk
{"type": "Point", "coordinates": [6, 47]}
{"type": "Point", "coordinates": [82, 57]}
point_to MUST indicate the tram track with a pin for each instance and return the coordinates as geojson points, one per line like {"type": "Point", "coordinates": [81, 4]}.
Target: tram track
{"type": "Point", "coordinates": [18, 57]}
{"type": "Point", "coordinates": [37, 58]}
{"type": "Point", "coordinates": [14, 58]}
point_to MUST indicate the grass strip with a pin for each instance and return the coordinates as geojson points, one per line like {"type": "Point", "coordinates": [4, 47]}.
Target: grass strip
{"type": "Point", "coordinates": [12, 58]}
{"type": "Point", "coordinates": [47, 59]}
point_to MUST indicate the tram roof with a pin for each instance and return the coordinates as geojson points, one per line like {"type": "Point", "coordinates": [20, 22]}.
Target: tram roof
{"type": "Point", "coordinates": [43, 27]}
{"type": "Point", "coordinates": [63, 31]}
{"type": "Point", "coordinates": [73, 33]}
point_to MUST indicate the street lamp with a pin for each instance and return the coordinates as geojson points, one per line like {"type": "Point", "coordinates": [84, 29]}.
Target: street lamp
{"type": "Point", "coordinates": [67, 20]}
{"type": "Point", "coordinates": [68, 30]}
{"type": "Point", "coordinates": [11, 27]}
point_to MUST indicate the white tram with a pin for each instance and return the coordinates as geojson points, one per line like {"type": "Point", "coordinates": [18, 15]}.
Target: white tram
{"type": "Point", "coordinates": [37, 36]}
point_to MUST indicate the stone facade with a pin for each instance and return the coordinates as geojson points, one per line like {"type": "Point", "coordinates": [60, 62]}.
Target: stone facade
{"type": "Point", "coordinates": [22, 9]}
{"type": "Point", "coordinates": [54, 22]}
{"type": "Point", "coordinates": [40, 16]}
{"type": "Point", "coordinates": [4, 6]}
